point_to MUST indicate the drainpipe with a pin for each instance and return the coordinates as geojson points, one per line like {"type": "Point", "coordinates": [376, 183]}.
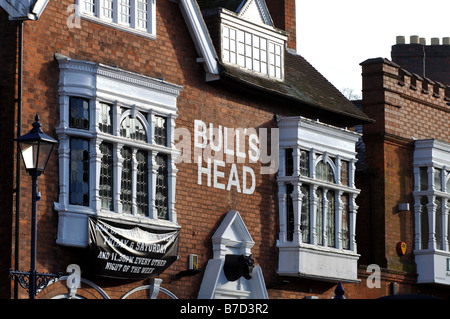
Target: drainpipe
{"type": "Point", "coordinates": [18, 162]}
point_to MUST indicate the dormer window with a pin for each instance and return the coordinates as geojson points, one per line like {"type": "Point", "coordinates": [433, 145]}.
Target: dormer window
{"type": "Point", "coordinates": [137, 16]}
{"type": "Point", "coordinates": [251, 44]}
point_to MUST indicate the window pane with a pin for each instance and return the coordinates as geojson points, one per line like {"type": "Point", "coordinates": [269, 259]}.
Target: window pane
{"type": "Point", "coordinates": [330, 219]}
{"type": "Point", "coordinates": [161, 200]}
{"type": "Point", "coordinates": [106, 176]}
{"type": "Point", "coordinates": [324, 172]}
{"type": "Point", "coordinates": [424, 222]}
{"type": "Point", "coordinates": [105, 122]}
{"type": "Point", "coordinates": [439, 217]}
{"type": "Point", "coordinates": [423, 178]}
{"type": "Point", "coordinates": [107, 8]}
{"type": "Point", "coordinates": [289, 213]}
{"type": "Point", "coordinates": [142, 14]}
{"type": "Point", "coordinates": [344, 173]}
{"type": "Point", "coordinates": [304, 223]}
{"type": "Point", "coordinates": [319, 216]}
{"type": "Point", "coordinates": [125, 195]}
{"type": "Point", "coordinates": [124, 11]}
{"type": "Point", "coordinates": [133, 128]}
{"type": "Point", "coordinates": [289, 162]}
{"type": "Point", "coordinates": [304, 163]}
{"type": "Point", "coordinates": [142, 183]}
{"type": "Point", "coordinates": [79, 172]}
{"type": "Point", "coordinates": [437, 179]}
{"type": "Point", "coordinates": [89, 6]}
{"type": "Point", "coordinates": [160, 130]}
{"type": "Point", "coordinates": [79, 113]}
{"type": "Point", "coordinates": [345, 226]}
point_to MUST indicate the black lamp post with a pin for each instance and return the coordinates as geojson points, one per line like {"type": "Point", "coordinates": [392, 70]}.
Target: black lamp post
{"type": "Point", "coordinates": [35, 148]}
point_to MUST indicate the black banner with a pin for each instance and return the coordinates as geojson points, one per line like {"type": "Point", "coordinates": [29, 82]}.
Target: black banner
{"type": "Point", "coordinates": [126, 251]}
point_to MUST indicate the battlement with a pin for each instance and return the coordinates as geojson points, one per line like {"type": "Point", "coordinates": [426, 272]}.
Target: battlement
{"type": "Point", "coordinates": [402, 77]}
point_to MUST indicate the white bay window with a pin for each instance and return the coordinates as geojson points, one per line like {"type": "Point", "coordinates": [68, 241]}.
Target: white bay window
{"type": "Point", "coordinates": [116, 150]}
{"type": "Point", "coordinates": [317, 194]}
{"type": "Point", "coordinates": [431, 210]}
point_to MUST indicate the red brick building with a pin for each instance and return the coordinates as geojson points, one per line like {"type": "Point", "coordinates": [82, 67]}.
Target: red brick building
{"type": "Point", "coordinates": [405, 171]}
{"type": "Point", "coordinates": [199, 156]}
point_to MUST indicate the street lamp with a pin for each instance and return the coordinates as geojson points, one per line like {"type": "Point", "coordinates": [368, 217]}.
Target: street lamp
{"type": "Point", "coordinates": [35, 148]}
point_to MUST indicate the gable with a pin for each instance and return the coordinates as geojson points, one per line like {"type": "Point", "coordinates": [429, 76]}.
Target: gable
{"type": "Point", "coordinates": [256, 11]}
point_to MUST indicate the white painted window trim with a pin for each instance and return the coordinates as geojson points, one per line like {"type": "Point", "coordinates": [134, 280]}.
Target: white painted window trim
{"type": "Point", "coordinates": [100, 83]}
{"type": "Point", "coordinates": [97, 16]}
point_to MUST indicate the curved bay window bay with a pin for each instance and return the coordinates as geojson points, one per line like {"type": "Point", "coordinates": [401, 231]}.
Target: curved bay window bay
{"type": "Point", "coordinates": [116, 149]}
{"type": "Point", "coordinates": [317, 196]}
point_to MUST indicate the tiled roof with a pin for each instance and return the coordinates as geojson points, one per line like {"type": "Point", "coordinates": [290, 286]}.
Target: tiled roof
{"type": "Point", "coordinates": [302, 84]}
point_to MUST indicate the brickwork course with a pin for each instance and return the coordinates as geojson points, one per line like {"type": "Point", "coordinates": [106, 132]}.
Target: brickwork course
{"type": "Point", "coordinates": [398, 111]}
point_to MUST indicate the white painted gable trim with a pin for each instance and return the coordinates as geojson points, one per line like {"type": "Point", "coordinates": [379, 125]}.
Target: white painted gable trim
{"type": "Point", "coordinates": [255, 10]}
{"type": "Point", "coordinates": [24, 9]}
{"type": "Point", "coordinates": [200, 35]}
{"type": "Point", "coordinates": [232, 237]}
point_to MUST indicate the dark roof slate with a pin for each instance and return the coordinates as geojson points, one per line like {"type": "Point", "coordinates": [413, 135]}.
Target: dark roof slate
{"type": "Point", "coordinates": [302, 83]}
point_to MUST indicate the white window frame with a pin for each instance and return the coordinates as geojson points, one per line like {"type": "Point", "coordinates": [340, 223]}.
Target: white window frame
{"type": "Point", "coordinates": [244, 48]}
{"type": "Point", "coordinates": [431, 183]}
{"type": "Point", "coordinates": [331, 145]}
{"type": "Point", "coordinates": [103, 84]}
{"type": "Point", "coordinates": [97, 15]}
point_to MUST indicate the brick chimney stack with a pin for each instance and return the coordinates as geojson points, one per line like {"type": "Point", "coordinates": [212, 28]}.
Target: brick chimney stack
{"type": "Point", "coordinates": [431, 61]}
{"type": "Point", "coordinates": [283, 16]}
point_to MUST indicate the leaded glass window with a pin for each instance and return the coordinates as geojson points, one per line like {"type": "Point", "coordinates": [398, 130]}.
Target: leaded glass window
{"type": "Point", "coordinates": [106, 176]}
{"type": "Point", "coordinates": [79, 113]}
{"type": "Point", "coordinates": [319, 216]}
{"type": "Point", "coordinates": [438, 225]}
{"type": "Point", "coordinates": [423, 178]}
{"type": "Point", "coordinates": [437, 179]}
{"type": "Point", "coordinates": [345, 224]}
{"type": "Point", "coordinates": [105, 120]}
{"type": "Point", "coordinates": [304, 222]}
{"type": "Point", "coordinates": [160, 130]}
{"type": "Point", "coordinates": [290, 212]}
{"type": "Point", "coordinates": [324, 172]}
{"type": "Point", "coordinates": [142, 183]}
{"type": "Point", "coordinates": [424, 222]}
{"type": "Point", "coordinates": [330, 219]}
{"type": "Point", "coordinates": [161, 199]}
{"type": "Point", "coordinates": [289, 162]}
{"type": "Point", "coordinates": [344, 173]}
{"type": "Point", "coordinates": [133, 128]}
{"type": "Point", "coordinates": [79, 171]}
{"type": "Point", "coordinates": [304, 163]}
{"type": "Point", "coordinates": [126, 181]}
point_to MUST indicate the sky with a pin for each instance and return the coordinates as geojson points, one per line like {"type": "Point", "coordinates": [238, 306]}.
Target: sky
{"type": "Point", "coordinates": [336, 36]}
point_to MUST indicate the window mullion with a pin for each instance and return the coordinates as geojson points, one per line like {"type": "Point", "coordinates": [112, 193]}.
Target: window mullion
{"type": "Point", "coordinates": [134, 169]}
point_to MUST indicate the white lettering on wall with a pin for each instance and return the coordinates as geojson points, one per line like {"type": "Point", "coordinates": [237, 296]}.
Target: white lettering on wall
{"type": "Point", "coordinates": [217, 149]}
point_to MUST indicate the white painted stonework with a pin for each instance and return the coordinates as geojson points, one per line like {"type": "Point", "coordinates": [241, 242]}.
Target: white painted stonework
{"type": "Point", "coordinates": [232, 237]}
